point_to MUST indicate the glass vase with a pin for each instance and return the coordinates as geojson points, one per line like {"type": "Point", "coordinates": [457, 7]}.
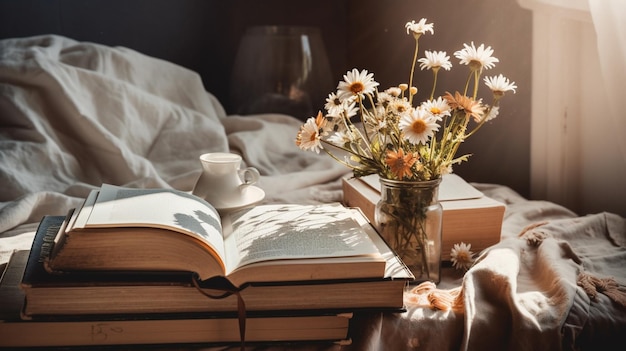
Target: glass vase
{"type": "Point", "coordinates": [409, 217]}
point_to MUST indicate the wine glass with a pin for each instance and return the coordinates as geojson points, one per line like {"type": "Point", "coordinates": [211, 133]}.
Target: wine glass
{"type": "Point", "coordinates": [280, 69]}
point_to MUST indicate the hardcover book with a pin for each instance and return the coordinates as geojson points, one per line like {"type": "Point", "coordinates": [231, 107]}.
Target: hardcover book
{"type": "Point", "coordinates": [123, 229]}
{"type": "Point", "coordinates": [83, 293]}
{"type": "Point", "coordinates": [468, 215]}
{"type": "Point", "coordinates": [137, 329]}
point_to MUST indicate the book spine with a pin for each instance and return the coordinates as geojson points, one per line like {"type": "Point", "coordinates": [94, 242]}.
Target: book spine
{"type": "Point", "coordinates": [42, 245]}
{"type": "Point", "coordinates": [145, 332]}
{"type": "Point", "coordinates": [53, 238]}
{"type": "Point", "coordinates": [124, 333]}
{"type": "Point", "coordinates": [11, 297]}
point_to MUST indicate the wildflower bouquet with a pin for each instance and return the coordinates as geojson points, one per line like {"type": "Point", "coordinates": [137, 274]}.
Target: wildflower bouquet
{"type": "Point", "coordinates": [399, 138]}
{"type": "Point", "coordinates": [409, 144]}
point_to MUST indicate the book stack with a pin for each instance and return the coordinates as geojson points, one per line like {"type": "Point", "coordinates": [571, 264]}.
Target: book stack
{"type": "Point", "coordinates": [141, 267]}
{"type": "Point", "coordinates": [468, 215]}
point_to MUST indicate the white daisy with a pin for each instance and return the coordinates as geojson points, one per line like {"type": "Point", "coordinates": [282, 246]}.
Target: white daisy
{"type": "Point", "coordinates": [435, 59]}
{"type": "Point", "coordinates": [356, 83]}
{"type": "Point", "coordinates": [437, 108]}
{"type": "Point", "coordinates": [308, 137]}
{"type": "Point", "coordinates": [419, 28]}
{"type": "Point", "coordinates": [500, 84]}
{"type": "Point", "coordinates": [339, 139]}
{"type": "Point", "coordinates": [493, 113]}
{"type": "Point", "coordinates": [399, 106]}
{"type": "Point", "coordinates": [476, 58]}
{"type": "Point", "coordinates": [461, 256]}
{"type": "Point", "coordinates": [418, 126]}
{"type": "Point", "coordinates": [333, 105]}
{"type": "Point", "coordinates": [350, 109]}
{"type": "Point", "coordinates": [384, 99]}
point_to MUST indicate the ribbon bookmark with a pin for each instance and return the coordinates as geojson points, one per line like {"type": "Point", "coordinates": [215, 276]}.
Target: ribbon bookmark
{"type": "Point", "coordinates": [228, 290]}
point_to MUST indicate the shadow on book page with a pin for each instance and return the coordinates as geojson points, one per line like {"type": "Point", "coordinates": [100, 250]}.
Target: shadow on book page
{"type": "Point", "coordinates": [295, 231]}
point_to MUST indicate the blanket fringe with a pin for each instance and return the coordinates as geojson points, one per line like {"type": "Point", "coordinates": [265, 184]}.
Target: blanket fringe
{"type": "Point", "coordinates": [607, 286]}
{"type": "Point", "coordinates": [439, 299]}
{"type": "Point", "coordinates": [533, 237]}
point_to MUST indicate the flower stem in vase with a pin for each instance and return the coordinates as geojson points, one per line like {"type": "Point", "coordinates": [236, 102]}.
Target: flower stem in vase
{"type": "Point", "coordinates": [409, 217]}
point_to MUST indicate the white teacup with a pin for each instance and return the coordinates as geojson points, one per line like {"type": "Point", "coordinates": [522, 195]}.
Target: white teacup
{"type": "Point", "coordinates": [222, 182]}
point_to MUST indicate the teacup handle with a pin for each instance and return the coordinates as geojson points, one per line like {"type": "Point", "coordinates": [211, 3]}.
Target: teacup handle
{"type": "Point", "coordinates": [249, 175]}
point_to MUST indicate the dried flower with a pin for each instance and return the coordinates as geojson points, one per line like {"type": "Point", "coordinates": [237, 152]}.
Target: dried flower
{"type": "Point", "coordinates": [398, 138]}
{"type": "Point", "coordinates": [400, 163]}
{"type": "Point", "coordinates": [461, 256]}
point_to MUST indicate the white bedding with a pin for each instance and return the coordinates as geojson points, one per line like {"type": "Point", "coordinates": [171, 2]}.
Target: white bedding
{"type": "Point", "coordinates": [74, 115]}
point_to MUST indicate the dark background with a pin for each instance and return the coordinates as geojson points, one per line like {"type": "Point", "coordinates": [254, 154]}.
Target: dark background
{"type": "Point", "coordinates": [203, 35]}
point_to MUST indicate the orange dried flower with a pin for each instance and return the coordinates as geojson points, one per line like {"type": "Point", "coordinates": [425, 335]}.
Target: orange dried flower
{"type": "Point", "coordinates": [400, 163]}
{"type": "Point", "coordinates": [470, 106]}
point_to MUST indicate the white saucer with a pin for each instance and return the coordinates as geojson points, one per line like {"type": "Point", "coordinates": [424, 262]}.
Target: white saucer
{"type": "Point", "coordinates": [252, 195]}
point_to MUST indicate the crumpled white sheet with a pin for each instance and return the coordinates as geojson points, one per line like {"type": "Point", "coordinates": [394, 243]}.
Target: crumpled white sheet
{"type": "Point", "coordinates": [74, 115]}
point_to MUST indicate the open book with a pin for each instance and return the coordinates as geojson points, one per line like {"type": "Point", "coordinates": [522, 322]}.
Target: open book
{"type": "Point", "coordinates": [86, 293]}
{"type": "Point", "coordinates": [123, 229]}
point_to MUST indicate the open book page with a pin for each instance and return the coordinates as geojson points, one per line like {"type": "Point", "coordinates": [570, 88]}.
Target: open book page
{"type": "Point", "coordinates": [452, 187]}
{"type": "Point", "coordinates": [79, 217]}
{"type": "Point", "coordinates": [160, 208]}
{"type": "Point", "coordinates": [394, 266]}
{"type": "Point", "coordinates": [273, 232]}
